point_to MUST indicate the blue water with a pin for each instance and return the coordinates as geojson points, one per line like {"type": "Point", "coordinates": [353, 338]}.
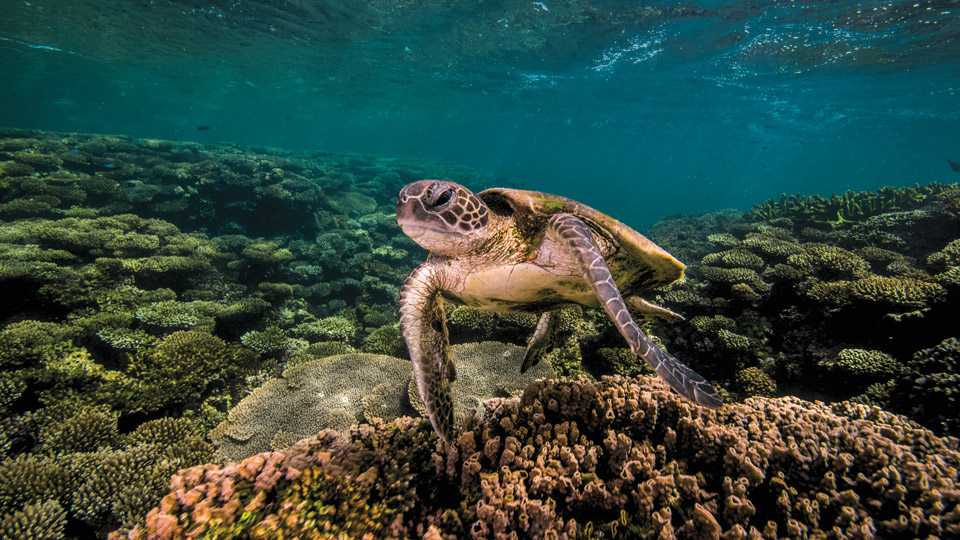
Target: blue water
{"type": "Point", "coordinates": [638, 109]}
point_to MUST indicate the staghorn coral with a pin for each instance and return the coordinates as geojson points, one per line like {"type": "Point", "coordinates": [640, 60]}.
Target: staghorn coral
{"type": "Point", "coordinates": [39, 521]}
{"type": "Point", "coordinates": [849, 208]}
{"type": "Point", "coordinates": [732, 276]}
{"type": "Point", "coordinates": [829, 262]}
{"type": "Point", "coordinates": [733, 258]}
{"type": "Point", "coordinates": [271, 341]}
{"type": "Point", "coordinates": [126, 339]}
{"type": "Point", "coordinates": [898, 292]}
{"type": "Point", "coordinates": [116, 487]}
{"type": "Point", "coordinates": [67, 430]}
{"type": "Point", "coordinates": [176, 370]}
{"type": "Point", "coordinates": [386, 340]}
{"type": "Point", "coordinates": [29, 479]}
{"type": "Point", "coordinates": [612, 459]}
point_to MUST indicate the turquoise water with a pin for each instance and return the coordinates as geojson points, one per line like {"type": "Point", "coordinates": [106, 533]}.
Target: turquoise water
{"type": "Point", "coordinates": [638, 109]}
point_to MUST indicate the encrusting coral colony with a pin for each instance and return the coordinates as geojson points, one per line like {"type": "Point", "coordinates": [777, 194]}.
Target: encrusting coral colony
{"type": "Point", "coordinates": [200, 341]}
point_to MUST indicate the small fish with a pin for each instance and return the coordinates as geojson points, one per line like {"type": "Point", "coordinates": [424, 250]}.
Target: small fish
{"type": "Point", "coordinates": [203, 128]}
{"type": "Point", "coordinates": [75, 150]}
{"type": "Point", "coordinates": [109, 165]}
{"type": "Point", "coordinates": [954, 165]}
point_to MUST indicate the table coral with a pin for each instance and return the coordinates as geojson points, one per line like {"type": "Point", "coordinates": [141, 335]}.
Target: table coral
{"type": "Point", "coordinates": [615, 459]}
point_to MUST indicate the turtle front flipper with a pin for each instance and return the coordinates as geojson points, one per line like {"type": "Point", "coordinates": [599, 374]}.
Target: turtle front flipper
{"type": "Point", "coordinates": [541, 341]}
{"type": "Point", "coordinates": [424, 327]}
{"type": "Point", "coordinates": [571, 232]}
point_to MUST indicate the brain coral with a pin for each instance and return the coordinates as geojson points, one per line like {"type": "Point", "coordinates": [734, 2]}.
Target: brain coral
{"type": "Point", "coordinates": [580, 459]}
{"type": "Point", "coordinates": [323, 393]}
{"type": "Point", "coordinates": [339, 391]}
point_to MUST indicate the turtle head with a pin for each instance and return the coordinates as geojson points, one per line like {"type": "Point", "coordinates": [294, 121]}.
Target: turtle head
{"type": "Point", "coordinates": [443, 217]}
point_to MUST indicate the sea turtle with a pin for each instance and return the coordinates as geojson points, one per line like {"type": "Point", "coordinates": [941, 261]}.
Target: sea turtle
{"type": "Point", "coordinates": [512, 250]}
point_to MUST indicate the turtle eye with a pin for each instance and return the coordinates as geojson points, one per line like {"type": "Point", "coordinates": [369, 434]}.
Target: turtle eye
{"type": "Point", "coordinates": [444, 198]}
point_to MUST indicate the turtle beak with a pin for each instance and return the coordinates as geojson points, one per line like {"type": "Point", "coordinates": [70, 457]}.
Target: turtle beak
{"type": "Point", "coordinates": [413, 231]}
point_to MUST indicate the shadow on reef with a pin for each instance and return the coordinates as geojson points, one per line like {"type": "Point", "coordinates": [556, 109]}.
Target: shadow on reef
{"type": "Point", "coordinates": [152, 286]}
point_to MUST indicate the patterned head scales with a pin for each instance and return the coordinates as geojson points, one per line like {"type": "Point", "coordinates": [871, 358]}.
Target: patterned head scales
{"type": "Point", "coordinates": [443, 217]}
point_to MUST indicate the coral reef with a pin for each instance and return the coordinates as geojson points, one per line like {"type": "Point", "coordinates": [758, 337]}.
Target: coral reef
{"type": "Point", "coordinates": [148, 282]}
{"type": "Point", "coordinates": [611, 459]}
{"type": "Point", "coordinates": [802, 304]}
{"type": "Point", "coordinates": [311, 396]}
{"type": "Point", "coordinates": [851, 207]}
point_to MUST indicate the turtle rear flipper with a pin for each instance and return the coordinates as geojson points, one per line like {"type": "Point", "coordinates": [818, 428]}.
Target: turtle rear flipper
{"type": "Point", "coordinates": [573, 233]}
{"type": "Point", "coordinates": [542, 340]}
{"type": "Point", "coordinates": [423, 323]}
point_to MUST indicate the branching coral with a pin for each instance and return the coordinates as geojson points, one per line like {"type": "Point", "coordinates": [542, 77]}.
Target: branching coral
{"type": "Point", "coordinates": [176, 370]}
{"type": "Point", "coordinates": [929, 389]}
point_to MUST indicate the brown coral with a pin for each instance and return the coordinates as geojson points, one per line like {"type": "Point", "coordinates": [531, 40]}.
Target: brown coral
{"type": "Point", "coordinates": [618, 458]}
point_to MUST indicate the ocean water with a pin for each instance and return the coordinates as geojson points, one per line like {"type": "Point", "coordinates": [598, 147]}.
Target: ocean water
{"type": "Point", "coordinates": [641, 109]}
{"type": "Point", "coordinates": [201, 270]}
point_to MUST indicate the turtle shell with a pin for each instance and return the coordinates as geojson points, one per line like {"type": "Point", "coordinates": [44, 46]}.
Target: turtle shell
{"type": "Point", "coordinates": [635, 261]}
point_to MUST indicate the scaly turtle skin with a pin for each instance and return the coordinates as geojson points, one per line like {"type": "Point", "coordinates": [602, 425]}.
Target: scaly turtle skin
{"type": "Point", "coordinates": [512, 250]}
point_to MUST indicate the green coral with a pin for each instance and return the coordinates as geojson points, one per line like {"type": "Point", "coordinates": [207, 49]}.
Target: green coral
{"type": "Point", "coordinates": [734, 258]}
{"type": "Point", "coordinates": [171, 314]}
{"type": "Point", "coordinates": [70, 430]}
{"type": "Point", "coordinates": [28, 479]}
{"type": "Point", "coordinates": [864, 363]}
{"type": "Point", "coordinates": [929, 388]}
{"type": "Point", "coordinates": [386, 340]}
{"type": "Point", "coordinates": [29, 342]}
{"type": "Point", "coordinates": [175, 371]}
{"type": "Point", "coordinates": [271, 341]}
{"type": "Point", "coordinates": [732, 276]}
{"type": "Point", "coordinates": [849, 208]}
{"type": "Point", "coordinates": [126, 339]}
{"type": "Point", "coordinates": [38, 521]}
